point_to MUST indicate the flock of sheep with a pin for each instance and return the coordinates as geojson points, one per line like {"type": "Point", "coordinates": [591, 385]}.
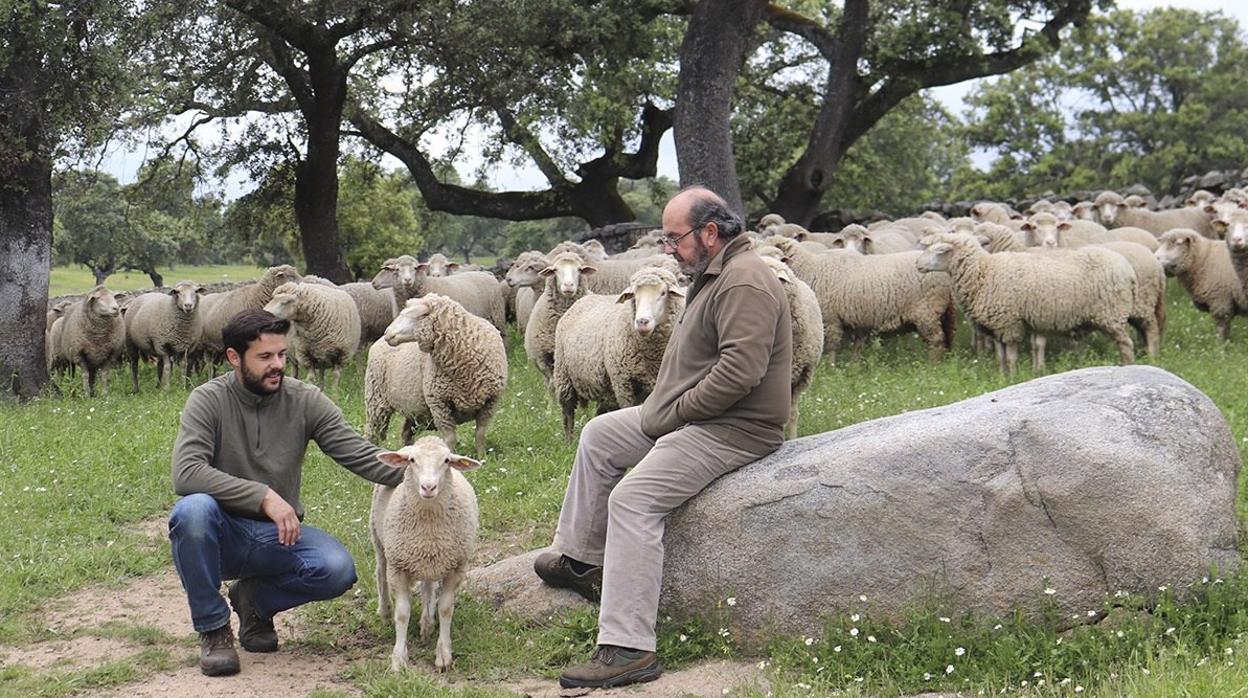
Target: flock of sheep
{"type": "Point", "coordinates": [596, 326]}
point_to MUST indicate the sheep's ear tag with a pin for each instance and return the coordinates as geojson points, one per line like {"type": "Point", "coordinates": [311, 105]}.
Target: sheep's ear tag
{"type": "Point", "coordinates": [463, 463]}
{"type": "Point", "coordinates": [394, 459]}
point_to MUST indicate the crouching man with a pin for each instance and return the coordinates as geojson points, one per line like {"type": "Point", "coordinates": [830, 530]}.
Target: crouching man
{"type": "Point", "coordinates": [721, 400]}
{"type": "Point", "coordinates": [238, 461]}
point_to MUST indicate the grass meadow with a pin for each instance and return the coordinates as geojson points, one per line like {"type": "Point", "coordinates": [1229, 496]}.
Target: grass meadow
{"type": "Point", "coordinates": [78, 279]}
{"type": "Point", "coordinates": [76, 474]}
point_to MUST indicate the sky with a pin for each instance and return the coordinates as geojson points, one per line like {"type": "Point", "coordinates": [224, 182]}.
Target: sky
{"type": "Point", "coordinates": [124, 163]}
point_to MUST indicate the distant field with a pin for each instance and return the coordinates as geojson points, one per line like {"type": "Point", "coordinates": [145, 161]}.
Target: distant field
{"type": "Point", "coordinates": [78, 279]}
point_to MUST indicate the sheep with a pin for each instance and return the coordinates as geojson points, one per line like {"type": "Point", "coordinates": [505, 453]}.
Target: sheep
{"type": "Point", "coordinates": [1115, 214]}
{"type": "Point", "coordinates": [1084, 211]}
{"type": "Point", "coordinates": [164, 325]}
{"type": "Point", "coordinates": [873, 293]}
{"type": "Point", "coordinates": [440, 266]}
{"type": "Point", "coordinates": [1204, 268]}
{"type": "Point", "coordinates": [436, 363]}
{"type": "Point", "coordinates": [608, 348]}
{"type": "Point", "coordinates": [1135, 201]}
{"type": "Point", "coordinates": [932, 215]}
{"type": "Point", "coordinates": [807, 322]}
{"type": "Point", "coordinates": [858, 238]}
{"type": "Point", "coordinates": [997, 238]}
{"type": "Point", "coordinates": [769, 221]}
{"type": "Point", "coordinates": [477, 291]}
{"type": "Point", "coordinates": [217, 309]}
{"type": "Point", "coordinates": [911, 228]}
{"type": "Point", "coordinates": [990, 212]}
{"type": "Point", "coordinates": [594, 251]}
{"type": "Point", "coordinates": [524, 275]}
{"type": "Point", "coordinates": [423, 529]}
{"type": "Point", "coordinates": [52, 334]}
{"type": "Point", "coordinates": [567, 280]}
{"type": "Point", "coordinates": [1219, 212]}
{"type": "Point", "coordinates": [1063, 210]}
{"type": "Point", "coordinates": [1011, 293]}
{"type": "Point", "coordinates": [377, 308]}
{"type": "Point", "coordinates": [1237, 245]}
{"type": "Point", "coordinates": [325, 326]}
{"type": "Point", "coordinates": [1199, 198]}
{"type": "Point", "coordinates": [93, 336]}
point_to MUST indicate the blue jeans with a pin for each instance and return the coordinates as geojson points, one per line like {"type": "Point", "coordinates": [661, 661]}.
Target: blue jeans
{"type": "Point", "coordinates": [210, 545]}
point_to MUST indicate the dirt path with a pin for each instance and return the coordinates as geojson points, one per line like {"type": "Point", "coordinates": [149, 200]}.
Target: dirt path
{"type": "Point", "coordinates": [157, 602]}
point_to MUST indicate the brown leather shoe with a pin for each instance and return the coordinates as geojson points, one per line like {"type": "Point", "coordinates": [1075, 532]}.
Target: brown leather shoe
{"type": "Point", "coordinates": [612, 666]}
{"type": "Point", "coordinates": [217, 656]}
{"type": "Point", "coordinates": [556, 570]}
{"type": "Point", "coordinates": [255, 634]}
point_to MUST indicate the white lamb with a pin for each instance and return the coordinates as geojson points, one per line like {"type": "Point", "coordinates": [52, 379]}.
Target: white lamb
{"type": "Point", "coordinates": [567, 280]}
{"type": "Point", "coordinates": [477, 291]}
{"type": "Point", "coordinates": [437, 363]}
{"type": "Point", "coordinates": [93, 336]}
{"type": "Point", "coordinates": [165, 326]}
{"type": "Point", "coordinates": [608, 348]}
{"type": "Point", "coordinates": [325, 326]}
{"type": "Point", "coordinates": [1115, 213]}
{"type": "Point", "coordinates": [423, 530]}
{"type": "Point", "coordinates": [1012, 293]}
{"type": "Point", "coordinates": [1204, 268]}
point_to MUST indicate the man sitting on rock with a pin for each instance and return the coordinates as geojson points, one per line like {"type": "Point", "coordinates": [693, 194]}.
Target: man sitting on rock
{"type": "Point", "coordinates": [238, 460]}
{"type": "Point", "coordinates": [721, 401]}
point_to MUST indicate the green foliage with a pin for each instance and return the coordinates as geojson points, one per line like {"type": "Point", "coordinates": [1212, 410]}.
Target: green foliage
{"type": "Point", "coordinates": [92, 221]}
{"type": "Point", "coordinates": [376, 216]}
{"type": "Point", "coordinates": [1144, 97]}
{"type": "Point", "coordinates": [260, 225]}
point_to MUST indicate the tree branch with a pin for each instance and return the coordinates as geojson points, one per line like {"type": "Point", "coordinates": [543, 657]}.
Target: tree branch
{"type": "Point", "coordinates": [524, 138]}
{"type": "Point", "coordinates": [284, 65]}
{"type": "Point", "coordinates": [793, 23]}
{"type": "Point", "coordinates": [275, 17]}
{"type": "Point", "coordinates": [368, 49]}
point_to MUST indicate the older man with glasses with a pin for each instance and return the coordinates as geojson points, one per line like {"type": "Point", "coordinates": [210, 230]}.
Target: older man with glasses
{"type": "Point", "coordinates": [721, 400]}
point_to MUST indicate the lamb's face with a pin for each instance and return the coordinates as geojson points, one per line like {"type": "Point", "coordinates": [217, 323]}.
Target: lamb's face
{"type": "Point", "coordinates": [962, 225]}
{"type": "Point", "coordinates": [285, 304]}
{"type": "Point", "coordinates": [527, 271]}
{"type": "Point", "coordinates": [1237, 231]}
{"type": "Point", "coordinates": [567, 270]}
{"type": "Point", "coordinates": [1174, 248]}
{"type": "Point", "coordinates": [283, 274]}
{"type": "Point", "coordinates": [1199, 198]}
{"type": "Point", "coordinates": [103, 302]}
{"type": "Point", "coordinates": [594, 250]}
{"type": "Point", "coordinates": [1135, 201]}
{"type": "Point", "coordinates": [1084, 211]}
{"type": "Point", "coordinates": [438, 265]}
{"type": "Point", "coordinates": [650, 296]}
{"type": "Point", "coordinates": [1108, 205]}
{"type": "Point", "coordinates": [1044, 230]}
{"type": "Point", "coordinates": [186, 295]}
{"type": "Point", "coordinates": [427, 463]}
{"type": "Point", "coordinates": [935, 258]}
{"type": "Point", "coordinates": [852, 237]}
{"type": "Point", "coordinates": [403, 328]}
{"type": "Point", "coordinates": [1220, 212]}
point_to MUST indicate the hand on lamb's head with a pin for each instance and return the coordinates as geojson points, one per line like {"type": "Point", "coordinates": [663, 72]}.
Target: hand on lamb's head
{"type": "Point", "coordinates": [428, 462]}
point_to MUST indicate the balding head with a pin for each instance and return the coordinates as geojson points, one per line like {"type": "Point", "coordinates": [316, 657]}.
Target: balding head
{"type": "Point", "coordinates": [697, 224]}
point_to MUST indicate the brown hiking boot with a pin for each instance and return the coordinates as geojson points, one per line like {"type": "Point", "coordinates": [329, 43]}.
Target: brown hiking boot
{"type": "Point", "coordinates": [217, 656]}
{"type": "Point", "coordinates": [255, 634]}
{"type": "Point", "coordinates": [612, 666]}
{"type": "Point", "coordinates": [557, 571]}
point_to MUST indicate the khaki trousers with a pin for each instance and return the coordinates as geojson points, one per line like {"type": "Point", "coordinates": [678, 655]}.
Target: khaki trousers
{"type": "Point", "coordinates": [617, 520]}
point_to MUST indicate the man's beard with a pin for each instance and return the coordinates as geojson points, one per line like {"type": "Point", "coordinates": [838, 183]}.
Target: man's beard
{"type": "Point", "coordinates": [255, 382]}
{"type": "Point", "coordinates": [702, 260]}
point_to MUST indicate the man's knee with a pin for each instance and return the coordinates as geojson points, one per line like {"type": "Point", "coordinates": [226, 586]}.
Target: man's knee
{"type": "Point", "coordinates": [194, 515]}
{"type": "Point", "coordinates": [335, 573]}
{"type": "Point", "coordinates": [628, 498]}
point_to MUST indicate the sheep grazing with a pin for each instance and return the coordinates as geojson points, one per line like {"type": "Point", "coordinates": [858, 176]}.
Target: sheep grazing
{"type": "Point", "coordinates": [423, 530]}
{"type": "Point", "coordinates": [807, 322]}
{"type": "Point", "coordinates": [864, 294]}
{"type": "Point", "coordinates": [93, 336]}
{"type": "Point", "coordinates": [164, 326]}
{"type": "Point", "coordinates": [478, 292]}
{"type": "Point", "coordinates": [608, 348]}
{"type": "Point", "coordinates": [1012, 293]}
{"type": "Point", "coordinates": [216, 309]}
{"type": "Point", "coordinates": [1205, 269]}
{"type": "Point", "coordinates": [1116, 214]}
{"type": "Point", "coordinates": [567, 280]}
{"type": "Point", "coordinates": [325, 326]}
{"type": "Point", "coordinates": [437, 363]}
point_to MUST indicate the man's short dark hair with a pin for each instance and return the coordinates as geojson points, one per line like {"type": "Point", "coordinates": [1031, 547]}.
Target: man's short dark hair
{"type": "Point", "coordinates": [247, 326]}
{"type": "Point", "coordinates": [708, 208]}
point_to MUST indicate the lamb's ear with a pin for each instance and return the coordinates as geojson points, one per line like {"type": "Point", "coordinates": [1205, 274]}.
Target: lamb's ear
{"type": "Point", "coordinates": [837, 244]}
{"type": "Point", "coordinates": [1064, 226]}
{"type": "Point", "coordinates": [394, 459]}
{"type": "Point", "coordinates": [587, 269]}
{"type": "Point", "coordinates": [676, 291]}
{"type": "Point", "coordinates": [201, 290]}
{"type": "Point", "coordinates": [626, 295]}
{"type": "Point", "coordinates": [783, 279]}
{"type": "Point", "coordinates": [418, 306]}
{"type": "Point", "coordinates": [940, 248]}
{"type": "Point", "coordinates": [172, 292]}
{"type": "Point", "coordinates": [983, 240]}
{"type": "Point", "coordinates": [547, 271]}
{"type": "Point", "coordinates": [452, 265]}
{"type": "Point", "coordinates": [1027, 227]}
{"type": "Point", "coordinates": [801, 237]}
{"type": "Point", "coordinates": [423, 266]}
{"type": "Point", "coordinates": [868, 244]}
{"type": "Point", "coordinates": [462, 463]}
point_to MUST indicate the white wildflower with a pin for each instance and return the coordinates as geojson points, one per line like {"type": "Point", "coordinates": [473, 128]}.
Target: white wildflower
{"type": "Point", "coordinates": [732, 601]}
{"type": "Point", "coordinates": [949, 669]}
{"type": "Point", "coordinates": [1050, 591]}
{"type": "Point", "coordinates": [960, 651]}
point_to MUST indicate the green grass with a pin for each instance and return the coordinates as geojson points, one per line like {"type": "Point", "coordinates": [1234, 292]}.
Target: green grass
{"type": "Point", "coordinates": [78, 279]}
{"type": "Point", "coordinates": [76, 473]}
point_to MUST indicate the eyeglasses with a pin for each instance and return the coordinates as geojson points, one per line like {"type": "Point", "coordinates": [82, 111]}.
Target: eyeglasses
{"type": "Point", "coordinates": [669, 241]}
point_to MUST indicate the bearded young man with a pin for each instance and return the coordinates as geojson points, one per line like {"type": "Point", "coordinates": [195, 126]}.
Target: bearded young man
{"type": "Point", "coordinates": [721, 400]}
{"type": "Point", "coordinates": [238, 461]}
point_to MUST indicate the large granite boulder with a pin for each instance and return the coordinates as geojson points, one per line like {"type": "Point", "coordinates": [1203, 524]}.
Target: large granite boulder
{"type": "Point", "coordinates": [1086, 483]}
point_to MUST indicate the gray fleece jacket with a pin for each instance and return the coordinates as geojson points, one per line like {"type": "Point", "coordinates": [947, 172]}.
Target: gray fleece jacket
{"type": "Point", "coordinates": [234, 444]}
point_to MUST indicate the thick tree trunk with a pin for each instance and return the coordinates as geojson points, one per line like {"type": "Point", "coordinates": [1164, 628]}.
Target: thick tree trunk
{"type": "Point", "coordinates": [157, 278]}
{"type": "Point", "coordinates": [711, 56]}
{"type": "Point", "coordinates": [316, 196]}
{"type": "Point", "coordinates": [101, 275]}
{"type": "Point", "coordinates": [25, 260]}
